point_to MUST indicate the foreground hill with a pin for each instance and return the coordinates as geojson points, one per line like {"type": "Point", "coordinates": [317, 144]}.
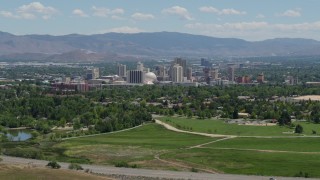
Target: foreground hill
{"type": "Point", "coordinates": [117, 46]}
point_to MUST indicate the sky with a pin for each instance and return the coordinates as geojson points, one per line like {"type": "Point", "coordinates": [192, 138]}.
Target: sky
{"type": "Point", "coordinates": [252, 20]}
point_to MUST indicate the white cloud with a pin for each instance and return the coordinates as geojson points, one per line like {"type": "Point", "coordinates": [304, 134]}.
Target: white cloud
{"type": "Point", "coordinates": [31, 11]}
{"type": "Point", "coordinates": [291, 13]}
{"type": "Point", "coordinates": [257, 30]}
{"type": "Point", "coordinates": [124, 29]}
{"type": "Point", "coordinates": [230, 11]}
{"type": "Point", "coordinates": [8, 14]}
{"type": "Point", "coordinates": [260, 16]}
{"type": "Point", "coordinates": [105, 12]}
{"type": "Point", "coordinates": [80, 13]}
{"type": "Point", "coordinates": [141, 16]}
{"type": "Point", "coordinates": [115, 17]}
{"type": "Point", "coordinates": [179, 11]}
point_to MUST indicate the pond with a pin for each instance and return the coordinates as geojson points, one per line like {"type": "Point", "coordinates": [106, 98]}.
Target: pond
{"type": "Point", "coordinates": [19, 135]}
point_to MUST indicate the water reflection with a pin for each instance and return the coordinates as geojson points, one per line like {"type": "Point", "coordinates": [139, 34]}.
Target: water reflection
{"type": "Point", "coordinates": [18, 135]}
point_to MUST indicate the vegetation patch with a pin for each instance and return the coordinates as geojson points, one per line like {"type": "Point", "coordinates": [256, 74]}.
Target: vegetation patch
{"type": "Point", "coordinates": [249, 162]}
{"type": "Point", "coordinates": [216, 126]}
{"type": "Point", "coordinates": [300, 144]}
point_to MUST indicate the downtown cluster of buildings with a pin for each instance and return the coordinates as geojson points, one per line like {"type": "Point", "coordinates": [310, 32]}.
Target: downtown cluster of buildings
{"type": "Point", "coordinates": [179, 72]}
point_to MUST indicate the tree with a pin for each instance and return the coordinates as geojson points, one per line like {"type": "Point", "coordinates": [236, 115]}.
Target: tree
{"type": "Point", "coordinates": [298, 129]}
{"type": "Point", "coordinates": [284, 119]}
{"type": "Point", "coordinates": [76, 124]}
{"type": "Point", "coordinates": [235, 114]}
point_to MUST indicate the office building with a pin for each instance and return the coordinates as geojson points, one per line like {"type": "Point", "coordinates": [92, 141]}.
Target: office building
{"type": "Point", "coordinates": [231, 68]}
{"type": "Point", "coordinates": [215, 73]}
{"type": "Point", "coordinates": [135, 76]}
{"type": "Point", "coordinates": [93, 73]}
{"type": "Point", "coordinates": [205, 63]}
{"type": "Point", "coordinates": [122, 70]}
{"type": "Point", "coordinates": [182, 63]}
{"type": "Point", "coordinates": [177, 73]}
{"type": "Point", "coordinates": [140, 66]}
{"type": "Point", "coordinates": [189, 73]}
{"type": "Point", "coordinates": [260, 78]}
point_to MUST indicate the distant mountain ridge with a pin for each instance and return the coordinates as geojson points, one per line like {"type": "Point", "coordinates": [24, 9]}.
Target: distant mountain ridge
{"type": "Point", "coordinates": [118, 46]}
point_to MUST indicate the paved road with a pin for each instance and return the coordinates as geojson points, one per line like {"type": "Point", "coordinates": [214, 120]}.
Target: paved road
{"type": "Point", "coordinates": [141, 172]}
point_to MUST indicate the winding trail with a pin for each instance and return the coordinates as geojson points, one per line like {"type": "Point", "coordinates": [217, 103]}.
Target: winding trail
{"type": "Point", "coordinates": [211, 142]}
{"type": "Point", "coordinates": [170, 127]}
{"type": "Point", "coordinates": [112, 132]}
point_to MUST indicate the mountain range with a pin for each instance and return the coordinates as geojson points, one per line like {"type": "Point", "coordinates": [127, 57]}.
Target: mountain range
{"type": "Point", "coordinates": [118, 46]}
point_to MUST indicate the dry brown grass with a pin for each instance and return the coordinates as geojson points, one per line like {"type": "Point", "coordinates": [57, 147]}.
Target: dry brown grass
{"type": "Point", "coordinates": [16, 172]}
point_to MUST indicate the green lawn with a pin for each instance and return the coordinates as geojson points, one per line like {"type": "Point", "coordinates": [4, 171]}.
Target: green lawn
{"type": "Point", "coordinates": [151, 136]}
{"type": "Point", "coordinates": [135, 145]}
{"type": "Point", "coordinates": [220, 127]}
{"type": "Point", "coordinates": [250, 162]}
{"type": "Point", "coordinates": [282, 144]}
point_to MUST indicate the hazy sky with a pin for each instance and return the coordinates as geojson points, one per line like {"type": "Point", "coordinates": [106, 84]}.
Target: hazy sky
{"type": "Point", "coordinates": [246, 19]}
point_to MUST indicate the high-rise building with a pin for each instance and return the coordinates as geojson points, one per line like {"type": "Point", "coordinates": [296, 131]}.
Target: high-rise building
{"type": "Point", "coordinates": [177, 73]}
{"type": "Point", "coordinates": [182, 63]}
{"type": "Point", "coordinates": [189, 73]}
{"type": "Point", "coordinates": [205, 63]}
{"type": "Point", "coordinates": [247, 79]}
{"type": "Point", "coordinates": [215, 73]}
{"type": "Point", "coordinates": [140, 66]}
{"type": "Point", "coordinates": [93, 73]}
{"type": "Point", "coordinates": [122, 70]}
{"type": "Point", "coordinates": [135, 76]}
{"type": "Point", "coordinates": [260, 78]}
{"type": "Point", "coordinates": [231, 72]}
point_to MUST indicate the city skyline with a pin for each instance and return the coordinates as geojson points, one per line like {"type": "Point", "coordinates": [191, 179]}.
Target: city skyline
{"type": "Point", "coordinates": [242, 19]}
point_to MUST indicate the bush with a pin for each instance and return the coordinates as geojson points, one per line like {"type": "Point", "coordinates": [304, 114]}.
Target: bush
{"type": "Point", "coordinates": [126, 165]}
{"type": "Point", "coordinates": [121, 164]}
{"type": "Point", "coordinates": [54, 165]}
{"type": "Point", "coordinates": [194, 170]}
{"type": "Point", "coordinates": [75, 166]}
{"type": "Point", "coordinates": [298, 129]}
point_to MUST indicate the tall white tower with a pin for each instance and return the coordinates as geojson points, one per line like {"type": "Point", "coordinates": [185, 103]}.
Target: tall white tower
{"type": "Point", "coordinates": [177, 73]}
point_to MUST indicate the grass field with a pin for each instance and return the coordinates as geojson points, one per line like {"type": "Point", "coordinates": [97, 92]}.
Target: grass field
{"type": "Point", "coordinates": [250, 162]}
{"type": "Point", "coordinates": [140, 144]}
{"type": "Point", "coordinates": [220, 127]}
{"type": "Point", "coordinates": [27, 173]}
{"type": "Point", "coordinates": [280, 144]}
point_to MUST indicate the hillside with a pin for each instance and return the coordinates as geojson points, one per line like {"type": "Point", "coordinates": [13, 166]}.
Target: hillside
{"type": "Point", "coordinates": [117, 46]}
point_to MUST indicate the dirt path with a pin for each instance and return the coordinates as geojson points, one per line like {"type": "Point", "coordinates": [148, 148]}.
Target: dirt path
{"type": "Point", "coordinates": [157, 156]}
{"type": "Point", "coordinates": [113, 132]}
{"type": "Point", "coordinates": [211, 142]}
{"type": "Point", "coordinates": [169, 127]}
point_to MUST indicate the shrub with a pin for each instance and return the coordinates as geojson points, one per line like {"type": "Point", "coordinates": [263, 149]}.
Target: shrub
{"type": "Point", "coordinates": [298, 129]}
{"type": "Point", "coordinates": [54, 165]}
{"type": "Point", "coordinates": [194, 170]}
{"type": "Point", "coordinates": [121, 164]}
{"type": "Point", "coordinates": [75, 166]}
